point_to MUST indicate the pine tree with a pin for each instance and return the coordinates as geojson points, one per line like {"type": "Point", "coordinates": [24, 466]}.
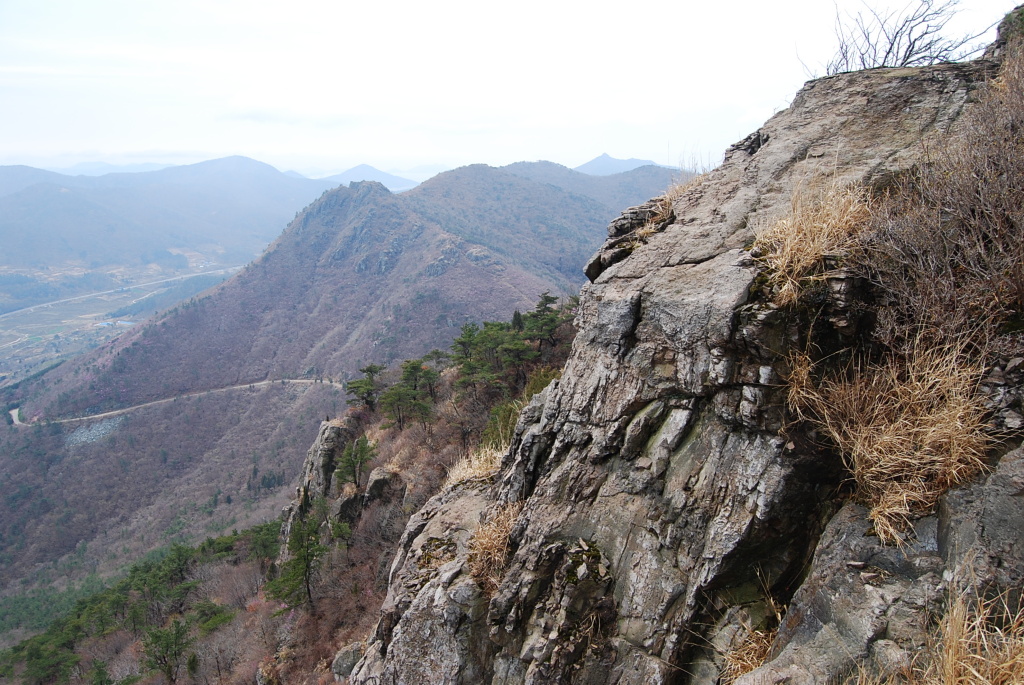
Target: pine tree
{"type": "Point", "coordinates": [165, 648]}
{"type": "Point", "coordinates": [294, 584]}
{"type": "Point", "coordinates": [401, 403]}
{"type": "Point", "coordinates": [366, 390]}
{"type": "Point", "coordinates": [357, 453]}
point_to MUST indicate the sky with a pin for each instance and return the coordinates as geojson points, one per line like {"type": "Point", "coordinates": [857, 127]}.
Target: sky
{"type": "Point", "coordinates": [406, 86]}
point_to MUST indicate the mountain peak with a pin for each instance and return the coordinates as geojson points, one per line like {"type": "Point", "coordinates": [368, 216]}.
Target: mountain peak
{"type": "Point", "coordinates": [606, 165]}
{"type": "Point", "coordinates": [365, 172]}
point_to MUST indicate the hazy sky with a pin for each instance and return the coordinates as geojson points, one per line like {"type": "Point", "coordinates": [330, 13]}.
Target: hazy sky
{"type": "Point", "coordinates": [320, 86]}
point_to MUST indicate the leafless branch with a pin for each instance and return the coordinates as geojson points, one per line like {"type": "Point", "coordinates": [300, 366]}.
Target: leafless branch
{"type": "Point", "coordinates": [910, 37]}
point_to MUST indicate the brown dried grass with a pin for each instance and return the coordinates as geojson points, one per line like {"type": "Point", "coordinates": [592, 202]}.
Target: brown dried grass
{"type": "Point", "coordinates": [821, 223]}
{"type": "Point", "coordinates": [945, 246]}
{"type": "Point", "coordinates": [665, 209]}
{"type": "Point", "coordinates": [908, 428]}
{"type": "Point", "coordinates": [488, 548]}
{"type": "Point", "coordinates": [750, 654]}
{"type": "Point", "coordinates": [482, 462]}
{"type": "Point", "coordinates": [979, 642]}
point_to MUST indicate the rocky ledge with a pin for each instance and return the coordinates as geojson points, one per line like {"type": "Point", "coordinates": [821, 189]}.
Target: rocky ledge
{"type": "Point", "coordinates": [665, 513]}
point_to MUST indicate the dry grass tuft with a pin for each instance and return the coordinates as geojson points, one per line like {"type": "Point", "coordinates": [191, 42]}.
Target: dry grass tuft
{"type": "Point", "coordinates": [674, 192]}
{"type": "Point", "coordinates": [752, 653]}
{"type": "Point", "coordinates": [480, 463]}
{"type": "Point", "coordinates": [665, 210]}
{"type": "Point", "coordinates": [983, 643]}
{"type": "Point", "coordinates": [909, 428]}
{"type": "Point", "coordinates": [979, 643]}
{"type": "Point", "coordinates": [488, 548]}
{"type": "Point", "coordinates": [820, 224]}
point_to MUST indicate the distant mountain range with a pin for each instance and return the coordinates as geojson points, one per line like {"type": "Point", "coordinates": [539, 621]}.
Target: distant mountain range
{"type": "Point", "coordinates": [54, 227]}
{"type": "Point", "coordinates": [604, 165]}
{"type": "Point", "coordinates": [615, 191]}
{"type": "Point", "coordinates": [228, 208]}
{"type": "Point", "coordinates": [101, 168]}
{"type": "Point", "coordinates": [400, 273]}
{"type": "Point", "coordinates": [362, 275]}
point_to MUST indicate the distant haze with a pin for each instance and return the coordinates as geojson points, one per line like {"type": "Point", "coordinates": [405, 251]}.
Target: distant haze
{"type": "Point", "coordinates": [319, 87]}
{"type": "Point", "coordinates": [101, 168]}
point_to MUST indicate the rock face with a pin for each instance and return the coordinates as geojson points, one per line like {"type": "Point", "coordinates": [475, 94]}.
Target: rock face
{"type": "Point", "coordinates": [863, 600]}
{"type": "Point", "coordinates": [662, 509]}
{"type": "Point", "coordinates": [318, 474]}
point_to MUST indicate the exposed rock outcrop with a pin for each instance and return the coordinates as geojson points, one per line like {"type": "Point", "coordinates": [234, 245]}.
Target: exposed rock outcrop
{"type": "Point", "coordinates": [866, 601]}
{"type": "Point", "coordinates": [664, 509]}
{"type": "Point", "coordinates": [317, 477]}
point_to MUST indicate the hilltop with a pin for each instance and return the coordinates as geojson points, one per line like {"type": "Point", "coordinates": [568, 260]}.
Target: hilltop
{"type": "Point", "coordinates": [365, 172]}
{"type": "Point", "coordinates": [605, 165]}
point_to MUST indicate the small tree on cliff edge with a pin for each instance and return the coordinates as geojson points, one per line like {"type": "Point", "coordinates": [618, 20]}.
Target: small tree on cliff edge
{"type": "Point", "coordinates": [294, 584]}
{"type": "Point", "coordinates": [910, 37]}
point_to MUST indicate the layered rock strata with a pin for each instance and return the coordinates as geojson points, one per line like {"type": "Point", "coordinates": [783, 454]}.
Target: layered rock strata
{"type": "Point", "coordinates": [665, 510]}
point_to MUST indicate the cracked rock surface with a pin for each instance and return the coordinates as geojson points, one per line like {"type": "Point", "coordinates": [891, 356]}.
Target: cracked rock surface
{"type": "Point", "coordinates": [661, 505]}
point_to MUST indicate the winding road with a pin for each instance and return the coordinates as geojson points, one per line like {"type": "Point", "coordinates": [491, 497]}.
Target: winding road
{"type": "Point", "coordinates": [199, 393]}
{"type": "Point", "coordinates": [116, 290]}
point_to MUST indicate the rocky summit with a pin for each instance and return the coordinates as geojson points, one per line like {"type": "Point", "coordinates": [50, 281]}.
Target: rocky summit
{"type": "Point", "coordinates": [666, 505]}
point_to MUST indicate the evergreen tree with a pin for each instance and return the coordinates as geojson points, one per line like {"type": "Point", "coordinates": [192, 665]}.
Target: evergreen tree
{"type": "Point", "coordinates": [412, 373]}
{"type": "Point", "coordinates": [543, 322]}
{"type": "Point", "coordinates": [429, 378]}
{"type": "Point", "coordinates": [165, 648]}
{"type": "Point", "coordinates": [367, 389]}
{"type": "Point", "coordinates": [98, 674]}
{"type": "Point", "coordinates": [356, 454]}
{"type": "Point", "coordinates": [294, 584]}
{"type": "Point", "coordinates": [401, 404]}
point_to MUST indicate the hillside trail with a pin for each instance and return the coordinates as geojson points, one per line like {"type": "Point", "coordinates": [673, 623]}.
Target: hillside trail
{"type": "Point", "coordinates": [125, 410]}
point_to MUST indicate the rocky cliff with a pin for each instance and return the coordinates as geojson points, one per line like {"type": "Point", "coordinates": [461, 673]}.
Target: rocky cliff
{"type": "Point", "coordinates": [666, 508]}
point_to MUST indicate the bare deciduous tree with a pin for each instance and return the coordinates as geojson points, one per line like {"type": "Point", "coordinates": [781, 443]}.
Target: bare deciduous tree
{"type": "Point", "coordinates": [910, 37]}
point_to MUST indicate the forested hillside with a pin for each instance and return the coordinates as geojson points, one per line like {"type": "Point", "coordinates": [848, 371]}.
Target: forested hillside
{"type": "Point", "coordinates": [224, 394]}
{"type": "Point", "coordinates": [215, 612]}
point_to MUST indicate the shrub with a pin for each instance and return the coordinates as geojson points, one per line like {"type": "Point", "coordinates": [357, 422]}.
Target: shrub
{"type": "Point", "coordinates": [944, 250]}
{"type": "Point", "coordinates": [910, 37]}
